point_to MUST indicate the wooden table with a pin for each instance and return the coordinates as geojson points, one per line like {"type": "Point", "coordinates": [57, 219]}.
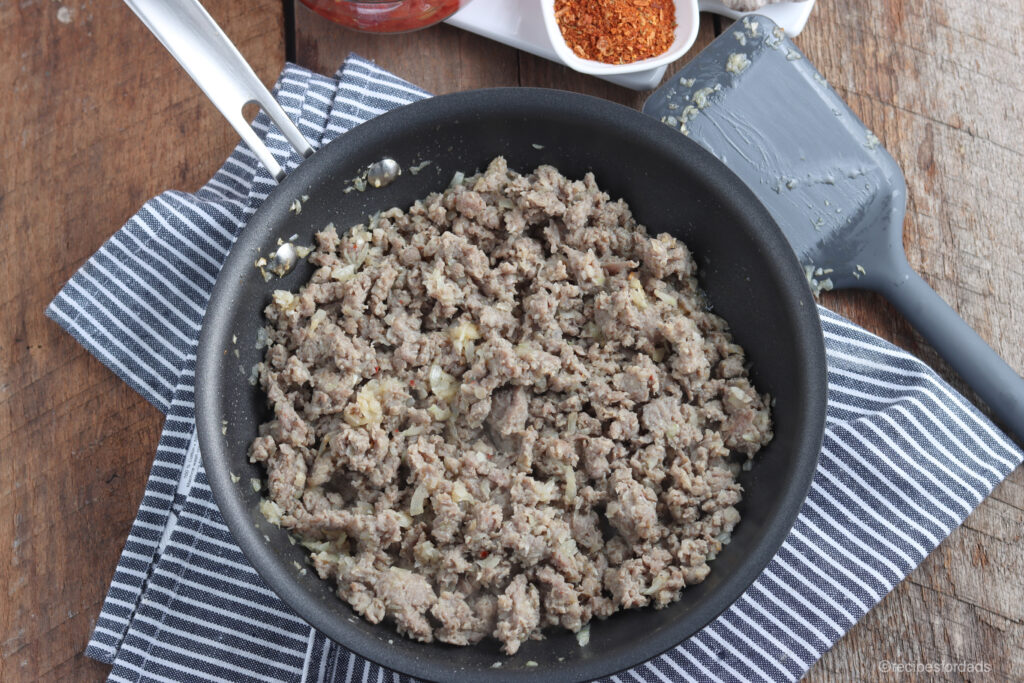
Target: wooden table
{"type": "Point", "coordinates": [97, 118]}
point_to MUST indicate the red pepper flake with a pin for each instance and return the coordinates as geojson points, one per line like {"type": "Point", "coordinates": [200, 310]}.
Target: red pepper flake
{"type": "Point", "coordinates": [617, 31]}
{"type": "Point", "coordinates": [484, 554]}
{"type": "Point", "coordinates": [412, 383]}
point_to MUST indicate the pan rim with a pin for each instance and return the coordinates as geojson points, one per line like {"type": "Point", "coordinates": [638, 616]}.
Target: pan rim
{"type": "Point", "coordinates": [812, 373]}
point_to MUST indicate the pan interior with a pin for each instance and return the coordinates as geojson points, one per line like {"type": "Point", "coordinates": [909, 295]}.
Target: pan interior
{"type": "Point", "coordinates": [672, 185]}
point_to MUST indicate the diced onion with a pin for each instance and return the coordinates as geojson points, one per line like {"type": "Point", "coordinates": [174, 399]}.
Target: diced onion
{"type": "Point", "coordinates": [460, 494]}
{"type": "Point", "coordinates": [637, 294]}
{"type": "Point", "coordinates": [343, 273]}
{"type": "Point", "coordinates": [462, 335]}
{"type": "Point", "coordinates": [366, 407]}
{"type": "Point", "coordinates": [490, 562]}
{"type": "Point", "coordinates": [317, 318]}
{"type": "Point", "coordinates": [545, 491]}
{"type": "Point", "coordinates": [329, 558]}
{"type": "Point", "coordinates": [438, 413]}
{"type": "Point", "coordinates": [317, 546]}
{"type": "Point", "coordinates": [569, 547]}
{"type": "Point", "coordinates": [284, 299]}
{"type": "Point", "coordinates": [442, 384]}
{"type": "Point", "coordinates": [593, 272]}
{"type": "Point", "coordinates": [272, 511]}
{"type": "Point", "coordinates": [667, 298]}
{"type": "Point", "coordinates": [657, 584]}
{"type": "Point", "coordinates": [416, 504]}
{"type": "Point", "coordinates": [570, 484]}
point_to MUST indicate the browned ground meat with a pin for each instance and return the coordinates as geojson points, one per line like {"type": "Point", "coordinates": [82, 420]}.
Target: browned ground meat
{"type": "Point", "coordinates": [504, 409]}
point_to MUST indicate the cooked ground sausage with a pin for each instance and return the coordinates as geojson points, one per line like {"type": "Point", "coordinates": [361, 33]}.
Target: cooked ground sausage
{"type": "Point", "coordinates": [504, 409]}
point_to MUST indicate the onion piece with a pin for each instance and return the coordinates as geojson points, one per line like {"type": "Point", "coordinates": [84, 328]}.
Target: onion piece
{"type": "Point", "coordinates": [272, 511]}
{"type": "Point", "coordinates": [442, 384]}
{"type": "Point", "coordinates": [570, 483]}
{"type": "Point", "coordinates": [657, 584]}
{"type": "Point", "coordinates": [416, 504]}
{"type": "Point", "coordinates": [490, 562]}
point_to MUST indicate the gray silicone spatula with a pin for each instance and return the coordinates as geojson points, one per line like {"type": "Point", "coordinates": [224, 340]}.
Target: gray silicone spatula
{"type": "Point", "coordinates": [755, 102]}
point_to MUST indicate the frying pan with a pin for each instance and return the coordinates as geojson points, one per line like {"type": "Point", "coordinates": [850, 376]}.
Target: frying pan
{"type": "Point", "coordinates": [672, 185]}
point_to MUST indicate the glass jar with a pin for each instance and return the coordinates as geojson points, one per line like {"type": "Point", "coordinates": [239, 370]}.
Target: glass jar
{"type": "Point", "coordinates": [385, 16]}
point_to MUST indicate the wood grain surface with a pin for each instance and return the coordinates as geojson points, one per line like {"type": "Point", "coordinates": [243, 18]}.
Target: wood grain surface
{"type": "Point", "coordinates": [98, 118]}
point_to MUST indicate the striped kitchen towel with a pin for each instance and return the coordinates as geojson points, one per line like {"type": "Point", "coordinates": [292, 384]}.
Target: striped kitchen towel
{"type": "Point", "coordinates": [905, 458]}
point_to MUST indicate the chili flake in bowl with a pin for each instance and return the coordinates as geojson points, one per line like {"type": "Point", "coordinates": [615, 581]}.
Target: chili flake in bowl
{"type": "Point", "coordinates": [608, 37]}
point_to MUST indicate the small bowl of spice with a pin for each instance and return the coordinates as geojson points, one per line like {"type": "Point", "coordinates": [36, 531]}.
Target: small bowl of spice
{"type": "Point", "coordinates": [609, 37]}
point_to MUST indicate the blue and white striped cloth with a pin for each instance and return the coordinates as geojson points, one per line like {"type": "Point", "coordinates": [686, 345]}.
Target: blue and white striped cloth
{"type": "Point", "coordinates": [905, 458]}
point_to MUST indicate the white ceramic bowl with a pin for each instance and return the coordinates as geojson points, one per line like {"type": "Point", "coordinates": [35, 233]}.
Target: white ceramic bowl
{"type": "Point", "coordinates": [686, 32]}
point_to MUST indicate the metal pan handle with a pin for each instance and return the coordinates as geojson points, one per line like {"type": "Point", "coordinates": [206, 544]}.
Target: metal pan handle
{"type": "Point", "coordinates": [190, 34]}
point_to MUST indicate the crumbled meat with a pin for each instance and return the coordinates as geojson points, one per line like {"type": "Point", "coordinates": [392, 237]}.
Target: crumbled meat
{"type": "Point", "coordinates": [503, 409]}
{"type": "Point", "coordinates": [518, 613]}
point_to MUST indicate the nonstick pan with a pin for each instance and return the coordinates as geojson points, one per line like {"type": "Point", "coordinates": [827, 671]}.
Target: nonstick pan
{"type": "Point", "coordinates": [672, 185]}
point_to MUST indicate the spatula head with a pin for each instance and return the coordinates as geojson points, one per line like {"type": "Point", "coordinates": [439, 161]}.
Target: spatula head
{"type": "Point", "coordinates": [753, 100]}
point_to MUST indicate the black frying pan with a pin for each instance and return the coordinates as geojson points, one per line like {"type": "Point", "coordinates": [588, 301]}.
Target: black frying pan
{"type": "Point", "coordinates": [672, 185]}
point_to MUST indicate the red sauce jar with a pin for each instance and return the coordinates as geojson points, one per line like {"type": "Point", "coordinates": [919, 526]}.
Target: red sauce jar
{"type": "Point", "coordinates": [385, 16]}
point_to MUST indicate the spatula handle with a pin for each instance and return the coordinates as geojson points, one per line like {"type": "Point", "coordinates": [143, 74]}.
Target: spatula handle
{"type": "Point", "coordinates": [977, 363]}
{"type": "Point", "coordinates": [215, 64]}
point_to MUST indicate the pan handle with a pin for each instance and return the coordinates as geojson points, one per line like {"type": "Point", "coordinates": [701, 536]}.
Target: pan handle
{"type": "Point", "coordinates": [995, 382]}
{"type": "Point", "coordinates": [190, 34]}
